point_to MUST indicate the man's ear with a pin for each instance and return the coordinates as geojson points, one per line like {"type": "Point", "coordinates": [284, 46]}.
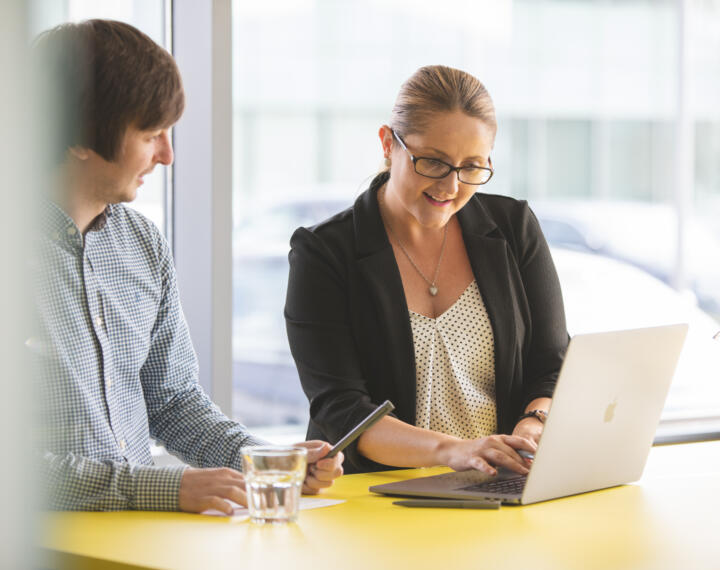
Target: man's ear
{"type": "Point", "coordinates": [79, 152]}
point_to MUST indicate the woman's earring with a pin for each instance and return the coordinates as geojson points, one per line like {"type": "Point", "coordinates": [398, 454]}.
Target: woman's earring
{"type": "Point", "coordinates": [388, 162]}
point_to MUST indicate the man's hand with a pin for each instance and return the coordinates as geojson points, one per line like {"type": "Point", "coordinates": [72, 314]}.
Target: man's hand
{"type": "Point", "coordinates": [320, 472]}
{"type": "Point", "coordinates": [203, 489]}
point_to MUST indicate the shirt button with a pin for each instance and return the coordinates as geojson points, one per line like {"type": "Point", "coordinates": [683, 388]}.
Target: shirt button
{"type": "Point", "coordinates": [99, 321]}
{"type": "Point", "coordinates": [109, 383]}
{"type": "Point", "coordinates": [122, 444]}
{"type": "Point", "coordinates": [71, 231]}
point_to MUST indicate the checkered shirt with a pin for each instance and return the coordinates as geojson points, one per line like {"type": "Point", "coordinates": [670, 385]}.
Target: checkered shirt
{"type": "Point", "coordinates": [116, 366]}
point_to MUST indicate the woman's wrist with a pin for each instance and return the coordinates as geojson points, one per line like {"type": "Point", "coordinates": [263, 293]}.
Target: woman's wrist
{"type": "Point", "coordinates": [535, 414]}
{"type": "Point", "coordinates": [542, 404]}
{"type": "Point", "coordinates": [529, 428]}
{"type": "Point", "coordinates": [444, 448]}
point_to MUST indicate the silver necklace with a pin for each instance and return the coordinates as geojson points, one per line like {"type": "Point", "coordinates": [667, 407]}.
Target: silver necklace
{"type": "Point", "coordinates": [432, 289]}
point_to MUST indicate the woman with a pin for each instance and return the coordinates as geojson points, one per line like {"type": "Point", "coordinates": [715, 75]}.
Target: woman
{"type": "Point", "coordinates": [444, 301]}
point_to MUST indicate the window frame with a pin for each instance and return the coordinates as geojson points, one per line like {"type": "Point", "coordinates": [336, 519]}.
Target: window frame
{"type": "Point", "coordinates": [201, 204]}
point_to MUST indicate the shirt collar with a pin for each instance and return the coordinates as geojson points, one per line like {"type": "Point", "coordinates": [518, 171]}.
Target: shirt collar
{"type": "Point", "coordinates": [99, 222]}
{"type": "Point", "coordinates": [59, 226]}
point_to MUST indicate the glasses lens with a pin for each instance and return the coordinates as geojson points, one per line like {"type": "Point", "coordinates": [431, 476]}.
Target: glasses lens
{"type": "Point", "coordinates": [431, 168]}
{"type": "Point", "coordinates": [475, 175]}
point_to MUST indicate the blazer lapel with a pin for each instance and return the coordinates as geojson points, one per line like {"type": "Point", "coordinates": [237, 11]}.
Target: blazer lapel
{"type": "Point", "coordinates": [380, 276]}
{"type": "Point", "coordinates": [488, 253]}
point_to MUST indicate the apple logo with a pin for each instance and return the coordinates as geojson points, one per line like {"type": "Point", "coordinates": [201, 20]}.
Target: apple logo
{"type": "Point", "coordinates": [610, 411]}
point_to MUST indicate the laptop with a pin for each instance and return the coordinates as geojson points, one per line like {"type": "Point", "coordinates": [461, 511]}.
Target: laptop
{"type": "Point", "coordinates": [605, 410]}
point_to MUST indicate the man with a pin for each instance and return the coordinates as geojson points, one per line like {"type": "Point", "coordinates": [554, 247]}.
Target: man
{"type": "Point", "coordinates": [115, 358]}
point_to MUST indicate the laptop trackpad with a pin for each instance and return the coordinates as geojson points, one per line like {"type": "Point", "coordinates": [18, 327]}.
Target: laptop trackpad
{"type": "Point", "coordinates": [451, 485]}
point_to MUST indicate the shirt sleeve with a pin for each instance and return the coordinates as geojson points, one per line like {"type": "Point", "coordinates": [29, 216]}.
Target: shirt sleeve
{"type": "Point", "coordinates": [74, 482]}
{"type": "Point", "coordinates": [180, 414]}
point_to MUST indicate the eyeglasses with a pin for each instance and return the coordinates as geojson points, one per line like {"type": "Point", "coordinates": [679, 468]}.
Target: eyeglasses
{"type": "Point", "coordinates": [436, 168]}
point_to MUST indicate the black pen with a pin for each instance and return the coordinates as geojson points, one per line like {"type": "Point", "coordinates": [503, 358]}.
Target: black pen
{"type": "Point", "coordinates": [449, 503]}
{"type": "Point", "coordinates": [379, 413]}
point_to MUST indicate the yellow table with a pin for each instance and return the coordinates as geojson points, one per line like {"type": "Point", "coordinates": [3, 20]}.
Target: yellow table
{"type": "Point", "coordinates": [670, 519]}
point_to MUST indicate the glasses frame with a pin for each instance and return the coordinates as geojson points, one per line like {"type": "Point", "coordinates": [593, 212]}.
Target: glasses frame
{"type": "Point", "coordinates": [451, 168]}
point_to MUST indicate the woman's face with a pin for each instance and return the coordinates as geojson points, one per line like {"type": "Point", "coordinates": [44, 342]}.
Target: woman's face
{"type": "Point", "coordinates": [453, 137]}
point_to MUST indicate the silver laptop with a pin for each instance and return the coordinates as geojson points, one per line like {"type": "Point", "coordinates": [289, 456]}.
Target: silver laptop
{"type": "Point", "coordinates": [605, 410]}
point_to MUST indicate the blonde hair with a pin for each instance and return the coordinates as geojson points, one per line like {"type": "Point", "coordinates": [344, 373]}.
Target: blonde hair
{"type": "Point", "coordinates": [438, 88]}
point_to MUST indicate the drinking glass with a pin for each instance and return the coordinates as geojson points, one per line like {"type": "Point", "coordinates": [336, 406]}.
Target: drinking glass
{"type": "Point", "coordinates": [273, 478]}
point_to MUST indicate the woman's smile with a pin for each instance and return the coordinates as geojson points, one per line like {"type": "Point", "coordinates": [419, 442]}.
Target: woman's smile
{"type": "Point", "coordinates": [436, 201]}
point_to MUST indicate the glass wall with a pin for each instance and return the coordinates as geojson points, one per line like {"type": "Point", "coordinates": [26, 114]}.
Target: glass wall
{"type": "Point", "coordinates": [597, 103]}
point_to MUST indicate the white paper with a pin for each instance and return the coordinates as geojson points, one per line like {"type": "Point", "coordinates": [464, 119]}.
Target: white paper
{"type": "Point", "coordinates": [306, 503]}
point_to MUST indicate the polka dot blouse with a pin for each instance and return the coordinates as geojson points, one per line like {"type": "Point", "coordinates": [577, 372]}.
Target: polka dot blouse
{"type": "Point", "coordinates": [455, 362]}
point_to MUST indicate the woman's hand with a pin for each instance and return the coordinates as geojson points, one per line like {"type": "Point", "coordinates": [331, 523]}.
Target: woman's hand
{"type": "Point", "coordinates": [487, 453]}
{"type": "Point", "coordinates": [529, 428]}
{"type": "Point", "coordinates": [321, 473]}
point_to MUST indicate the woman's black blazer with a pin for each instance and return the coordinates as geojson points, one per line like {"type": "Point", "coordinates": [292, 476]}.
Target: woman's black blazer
{"type": "Point", "coordinates": [349, 327]}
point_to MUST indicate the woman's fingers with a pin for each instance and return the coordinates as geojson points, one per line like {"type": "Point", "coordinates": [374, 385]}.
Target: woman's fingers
{"type": "Point", "coordinates": [508, 457]}
{"type": "Point", "coordinates": [488, 453]}
{"type": "Point", "coordinates": [518, 442]}
{"type": "Point", "coordinates": [313, 484]}
{"type": "Point", "coordinates": [322, 471]}
{"type": "Point", "coordinates": [480, 464]}
{"type": "Point", "coordinates": [325, 472]}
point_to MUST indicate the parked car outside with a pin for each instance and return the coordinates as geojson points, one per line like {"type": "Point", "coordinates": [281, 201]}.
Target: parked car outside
{"type": "Point", "coordinates": [642, 234]}
{"type": "Point", "coordinates": [266, 388]}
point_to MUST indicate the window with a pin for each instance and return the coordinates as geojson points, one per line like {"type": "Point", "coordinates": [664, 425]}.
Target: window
{"type": "Point", "coordinates": [589, 122]}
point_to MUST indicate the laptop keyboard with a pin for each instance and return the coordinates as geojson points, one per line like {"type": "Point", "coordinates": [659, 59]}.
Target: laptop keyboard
{"type": "Point", "coordinates": [512, 486]}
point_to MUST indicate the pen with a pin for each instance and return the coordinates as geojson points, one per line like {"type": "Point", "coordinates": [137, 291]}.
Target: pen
{"type": "Point", "coordinates": [380, 412]}
{"type": "Point", "coordinates": [449, 503]}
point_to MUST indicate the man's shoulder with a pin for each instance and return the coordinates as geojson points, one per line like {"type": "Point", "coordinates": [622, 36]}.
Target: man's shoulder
{"type": "Point", "coordinates": [124, 215]}
{"type": "Point", "coordinates": [137, 232]}
{"type": "Point", "coordinates": [126, 219]}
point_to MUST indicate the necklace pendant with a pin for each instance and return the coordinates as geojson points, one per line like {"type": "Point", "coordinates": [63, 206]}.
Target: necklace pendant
{"type": "Point", "coordinates": [433, 290]}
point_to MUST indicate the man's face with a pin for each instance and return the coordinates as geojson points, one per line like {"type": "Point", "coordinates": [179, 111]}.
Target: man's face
{"type": "Point", "coordinates": [118, 181]}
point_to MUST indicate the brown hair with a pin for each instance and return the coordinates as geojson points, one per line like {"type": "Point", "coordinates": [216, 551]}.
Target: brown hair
{"type": "Point", "coordinates": [438, 88]}
{"type": "Point", "coordinates": [104, 76]}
